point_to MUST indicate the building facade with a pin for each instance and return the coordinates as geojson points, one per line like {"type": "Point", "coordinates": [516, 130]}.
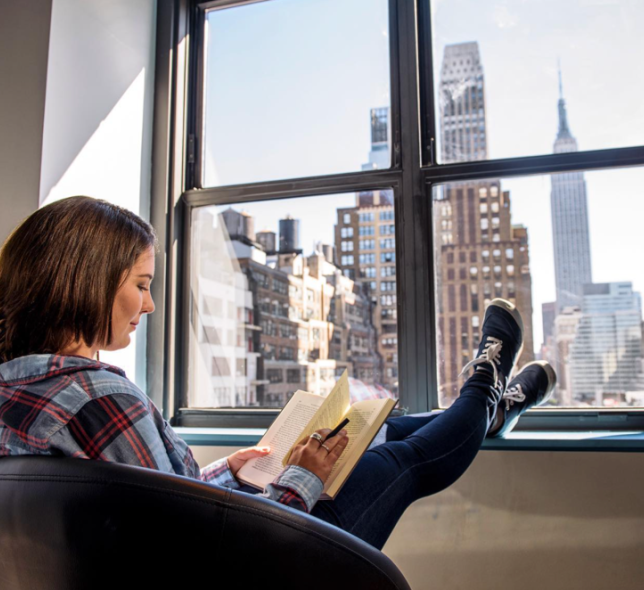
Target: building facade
{"type": "Point", "coordinates": [480, 253]}
{"type": "Point", "coordinates": [605, 358]}
{"type": "Point", "coordinates": [269, 323]}
{"type": "Point", "coordinates": [366, 244]}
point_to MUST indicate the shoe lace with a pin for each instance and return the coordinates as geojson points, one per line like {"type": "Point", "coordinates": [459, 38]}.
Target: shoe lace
{"type": "Point", "coordinates": [513, 394]}
{"type": "Point", "coordinates": [490, 355]}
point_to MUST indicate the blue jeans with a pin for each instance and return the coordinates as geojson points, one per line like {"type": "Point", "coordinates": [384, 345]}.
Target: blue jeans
{"type": "Point", "coordinates": [422, 456]}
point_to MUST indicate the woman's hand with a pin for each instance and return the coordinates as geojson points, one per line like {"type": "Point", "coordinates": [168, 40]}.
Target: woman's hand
{"type": "Point", "coordinates": [319, 458]}
{"type": "Point", "coordinates": [237, 460]}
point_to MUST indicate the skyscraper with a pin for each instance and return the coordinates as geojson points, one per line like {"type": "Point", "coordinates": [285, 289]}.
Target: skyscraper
{"type": "Point", "coordinates": [462, 104]}
{"type": "Point", "coordinates": [482, 254]}
{"type": "Point", "coordinates": [365, 244]}
{"type": "Point", "coordinates": [380, 154]}
{"type": "Point", "coordinates": [365, 240]}
{"type": "Point", "coordinates": [569, 211]}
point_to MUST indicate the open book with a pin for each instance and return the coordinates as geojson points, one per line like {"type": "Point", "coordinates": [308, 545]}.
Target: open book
{"type": "Point", "coordinates": [304, 414]}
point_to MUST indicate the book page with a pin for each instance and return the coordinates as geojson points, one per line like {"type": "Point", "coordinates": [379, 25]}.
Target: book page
{"type": "Point", "coordinates": [361, 416]}
{"type": "Point", "coordinates": [366, 417]}
{"type": "Point", "coordinates": [331, 412]}
{"type": "Point", "coordinates": [282, 435]}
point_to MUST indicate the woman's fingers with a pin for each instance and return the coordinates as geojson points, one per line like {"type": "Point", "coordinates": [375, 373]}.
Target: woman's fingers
{"type": "Point", "coordinates": [335, 446]}
{"type": "Point", "coordinates": [312, 442]}
{"type": "Point", "coordinates": [238, 458]}
{"type": "Point", "coordinates": [252, 452]}
{"type": "Point", "coordinates": [319, 456]}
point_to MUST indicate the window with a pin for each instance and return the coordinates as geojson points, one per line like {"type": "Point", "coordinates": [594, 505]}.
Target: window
{"type": "Point", "coordinates": [303, 302]}
{"type": "Point", "coordinates": [280, 286]}
{"type": "Point", "coordinates": [240, 131]}
{"type": "Point", "coordinates": [571, 298]}
{"type": "Point", "coordinates": [274, 375]}
{"type": "Point", "coordinates": [489, 216]}
{"type": "Point", "coordinates": [368, 273]}
{"type": "Point", "coordinates": [293, 375]}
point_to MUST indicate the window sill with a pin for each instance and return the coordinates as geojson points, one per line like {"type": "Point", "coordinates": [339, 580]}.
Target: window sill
{"type": "Point", "coordinates": [598, 441]}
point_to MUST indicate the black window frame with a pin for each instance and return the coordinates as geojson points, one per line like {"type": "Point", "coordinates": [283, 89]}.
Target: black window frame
{"type": "Point", "coordinates": [413, 174]}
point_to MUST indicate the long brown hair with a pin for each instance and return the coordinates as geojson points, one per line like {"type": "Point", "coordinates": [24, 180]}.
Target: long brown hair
{"type": "Point", "coordinates": [60, 271]}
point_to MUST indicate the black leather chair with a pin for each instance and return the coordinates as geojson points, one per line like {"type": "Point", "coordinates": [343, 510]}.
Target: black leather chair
{"type": "Point", "coordinates": [72, 523]}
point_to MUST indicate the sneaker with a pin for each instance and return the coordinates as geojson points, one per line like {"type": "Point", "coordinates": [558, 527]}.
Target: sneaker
{"type": "Point", "coordinates": [532, 386]}
{"type": "Point", "coordinates": [501, 343]}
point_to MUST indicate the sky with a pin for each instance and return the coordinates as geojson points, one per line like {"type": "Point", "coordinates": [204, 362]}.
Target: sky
{"type": "Point", "coordinates": [290, 85]}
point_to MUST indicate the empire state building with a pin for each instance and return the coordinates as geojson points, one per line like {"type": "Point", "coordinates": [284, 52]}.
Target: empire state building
{"type": "Point", "coordinates": [569, 209]}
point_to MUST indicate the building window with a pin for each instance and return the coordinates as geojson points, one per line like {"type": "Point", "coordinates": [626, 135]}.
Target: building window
{"type": "Point", "coordinates": [293, 375]}
{"type": "Point", "coordinates": [274, 375]}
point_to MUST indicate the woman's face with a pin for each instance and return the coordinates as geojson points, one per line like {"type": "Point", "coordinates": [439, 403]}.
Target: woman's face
{"type": "Point", "coordinates": [132, 300]}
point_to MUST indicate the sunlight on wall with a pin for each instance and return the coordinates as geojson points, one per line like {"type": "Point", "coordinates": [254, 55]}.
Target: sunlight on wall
{"type": "Point", "coordinates": [98, 117]}
{"type": "Point", "coordinates": [109, 167]}
{"type": "Point", "coordinates": [109, 164]}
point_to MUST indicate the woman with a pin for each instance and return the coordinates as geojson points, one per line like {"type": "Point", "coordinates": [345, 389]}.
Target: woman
{"type": "Point", "coordinates": [75, 279]}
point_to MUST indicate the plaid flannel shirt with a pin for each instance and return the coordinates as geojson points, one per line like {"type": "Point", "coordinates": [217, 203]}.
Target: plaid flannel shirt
{"type": "Point", "coordinates": [77, 407]}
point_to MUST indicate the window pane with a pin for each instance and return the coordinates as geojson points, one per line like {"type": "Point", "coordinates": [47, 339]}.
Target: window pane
{"type": "Point", "coordinates": [286, 308]}
{"type": "Point", "coordinates": [296, 88]}
{"type": "Point", "coordinates": [567, 255]}
{"type": "Point", "coordinates": [518, 78]}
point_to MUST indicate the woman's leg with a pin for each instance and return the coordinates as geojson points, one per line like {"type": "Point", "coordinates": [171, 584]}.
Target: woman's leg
{"type": "Point", "coordinates": [391, 476]}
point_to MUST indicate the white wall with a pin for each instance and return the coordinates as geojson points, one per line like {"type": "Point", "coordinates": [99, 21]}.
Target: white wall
{"type": "Point", "coordinates": [98, 116]}
{"type": "Point", "coordinates": [76, 112]}
{"type": "Point", "coordinates": [524, 520]}
{"type": "Point", "coordinates": [24, 42]}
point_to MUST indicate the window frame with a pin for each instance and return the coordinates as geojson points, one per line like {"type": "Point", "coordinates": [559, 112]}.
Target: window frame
{"type": "Point", "coordinates": [414, 173]}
